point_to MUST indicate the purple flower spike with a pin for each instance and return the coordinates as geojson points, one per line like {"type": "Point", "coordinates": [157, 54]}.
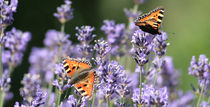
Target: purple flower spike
{"type": "Point", "coordinates": [201, 70]}
{"type": "Point", "coordinates": [131, 14]}
{"type": "Point", "coordinates": [139, 1]}
{"type": "Point", "coordinates": [116, 34]}
{"type": "Point", "coordinates": [113, 81]}
{"type": "Point", "coordinates": [54, 38]}
{"type": "Point", "coordinates": [60, 83]}
{"type": "Point", "coordinates": [7, 10]}
{"type": "Point", "coordinates": [102, 48]}
{"type": "Point", "coordinates": [15, 43]}
{"type": "Point", "coordinates": [168, 75]}
{"type": "Point", "coordinates": [183, 100]}
{"type": "Point", "coordinates": [142, 47]}
{"type": "Point", "coordinates": [64, 12]}
{"type": "Point", "coordinates": [70, 102]}
{"type": "Point", "coordinates": [160, 44]}
{"type": "Point", "coordinates": [204, 104]}
{"type": "Point", "coordinates": [85, 34]}
{"type": "Point", "coordinates": [150, 96]}
{"type": "Point", "coordinates": [5, 82]}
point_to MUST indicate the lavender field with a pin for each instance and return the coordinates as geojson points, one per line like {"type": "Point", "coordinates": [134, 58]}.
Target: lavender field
{"type": "Point", "coordinates": [136, 53]}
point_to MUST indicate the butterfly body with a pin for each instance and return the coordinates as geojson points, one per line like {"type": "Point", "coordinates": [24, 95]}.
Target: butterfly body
{"type": "Point", "coordinates": [82, 76]}
{"type": "Point", "coordinates": [151, 22]}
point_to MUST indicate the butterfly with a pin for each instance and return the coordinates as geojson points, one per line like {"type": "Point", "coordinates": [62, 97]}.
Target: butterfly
{"type": "Point", "coordinates": [151, 21]}
{"type": "Point", "coordinates": [82, 76]}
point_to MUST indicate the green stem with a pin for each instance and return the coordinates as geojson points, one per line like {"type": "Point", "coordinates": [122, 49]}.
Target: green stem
{"type": "Point", "coordinates": [157, 73]}
{"type": "Point", "coordinates": [58, 94]}
{"type": "Point", "coordinates": [108, 102]}
{"type": "Point", "coordinates": [1, 47]}
{"type": "Point", "coordinates": [140, 80]}
{"type": "Point", "coordinates": [201, 94]}
{"type": "Point", "coordinates": [58, 98]}
{"type": "Point", "coordinates": [2, 94]}
{"type": "Point", "coordinates": [78, 102]}
{"type": "Point", "coordinates": [2, 99]}
{"type": "Point", "coordinates": [93, 100]}
{"type": "Point", "coordinates": [50, 86]}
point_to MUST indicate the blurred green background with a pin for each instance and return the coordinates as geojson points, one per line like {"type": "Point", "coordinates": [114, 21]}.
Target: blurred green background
{"type": "Point", "coordinates": [186, 23]}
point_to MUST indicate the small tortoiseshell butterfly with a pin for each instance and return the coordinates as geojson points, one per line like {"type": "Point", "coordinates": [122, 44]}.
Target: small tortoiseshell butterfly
{"type": "Point", "coordinates": [82, 76]}
{"type": "Point", "coordinates": [151, 22]}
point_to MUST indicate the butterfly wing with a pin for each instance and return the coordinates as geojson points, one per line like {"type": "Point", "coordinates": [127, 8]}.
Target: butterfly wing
{"type": "Point", "coordinates": [86, 86]}
{"type": "Point", "coordinates": [73, 66]}
{"type": "Point", "coordinates": [151, 22]}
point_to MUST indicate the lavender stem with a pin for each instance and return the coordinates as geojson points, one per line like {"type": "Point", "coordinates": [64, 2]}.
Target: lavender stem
{"type": "Point", "coordinates": [200, 96]}
{"type": "Point", "coordinates": [140, 81]}
{"type": "Point", "coordinates": [93, 100]}
{"type": "Point", "coordinates": [1, 68]}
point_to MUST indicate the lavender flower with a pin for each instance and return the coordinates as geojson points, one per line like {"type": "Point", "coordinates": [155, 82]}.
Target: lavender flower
{"type": "Point", "coordinates": [204, 104]}
{"type": "Point", "coordinates": [5, 82]}
{"type": "Point", "coordinates": [113, 81]}
{"type": "Point", "coordinates": [115, 34]}
{"type": "Point", "coordinates": [7, 10]}
{"type": "Point", "coordinates": [15, 44]}
{"type": "Point", "coordinates": [64, 12]}
{"type": "Point", "coordinates": [183, 100]}
{"type": "Point", "coordinates": [150, 96]}
{"type": "Point", "coordinates": [160, 44]}
{"type": "Point", "coordinates": [37, 100]}
{"type": "Point", "coordinates": [102, 50]}
{"type": "Point", "coordinates": [54, 38]}
{"type": "Point", "coordinates": [139, 1]}
{"type": "Point", "coordinates": [30, 82]}
{"type": "Point", "coordinates": [167, 77]}
{"type": "Point", "coordinates": [73, 102]}
{"type": "Point", "coordinates": [131, 13]}
{"type": "Point", "coordinates": [142, 47]}
{"type": "Point", "coordinates": [42, 62]}
{"type": "Point", "coordinates": [200, 69]}
{"type": "Point", "coordinates": [85, 34]}
{"type": "Point", "coordinates": [60, 83]}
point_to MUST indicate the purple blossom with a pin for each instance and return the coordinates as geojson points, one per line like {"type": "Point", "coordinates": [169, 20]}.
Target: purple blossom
{"type": "Point", "coordinates": [84, 34]}
{"type": "Point", "coordinates": [7, 10]}
{"type": "Point", "coordinates": [16, 40]}
{"type": "Point", "coordinates": [204, 104]}
{"type": "Point", "coordinates": [139, 1]}
{"type": "Point", "coordinates": [151, 96]}
{"type": "Point", "coordinates": [60, 83]}
{"type": "Point", "coordinates": [102, 48]}
{"type": "Point", "coordinates": [73, 102]}
{"type": "Point", "coordinates": [142, 47]}
{"type": "Point", "coordinates": [30, 82]}
{"type": "Point", "coordinates": [183, 100]}
{"type": "Point", "coordinates": [116, 34]}
{"type": "Point", "coordinates": [15, 44]}
{"type": "Point", "coordinates": [159, 43]}
{"type": "Point", "coordinates": [64, 12]}
{"type": "Point", "coordinates": [131, 13]}
{"type": "Point", "coordinates": [54, 38]}
{"type": "Point", "coordinates": [113, 81]}
{"type": "Point", "coordinates": [200, 69]}
{"type": "Point", "coordinates": [167, 77]}
{"type": "Point", "coordinates": [5, 82]}
{"type": "Point", "coordinates": [38, 99]}
{"type": "Point", "coordinates": [42, 62]}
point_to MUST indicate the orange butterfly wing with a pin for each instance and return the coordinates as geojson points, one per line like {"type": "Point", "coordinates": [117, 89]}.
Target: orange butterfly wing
{"type": "Point", "coordinates": [72, 65]}
{"type": "Point", "coordinates": [151, 22]}
{"type": "Point", "coordinates": [86, 86]}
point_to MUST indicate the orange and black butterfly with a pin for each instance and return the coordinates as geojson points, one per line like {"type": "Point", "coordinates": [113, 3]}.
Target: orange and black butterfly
{"type": "Point", "coordinates": [151, 22]}
{"type": "Point", "coordinates": [82, 76]}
